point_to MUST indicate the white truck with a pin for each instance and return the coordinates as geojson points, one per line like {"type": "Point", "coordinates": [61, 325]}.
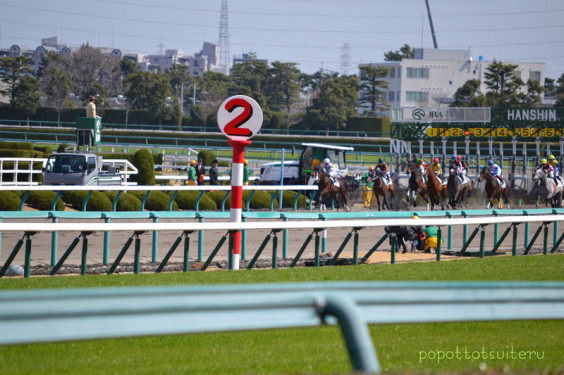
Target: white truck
{"type": "Point", "coordinates": [85, 168]}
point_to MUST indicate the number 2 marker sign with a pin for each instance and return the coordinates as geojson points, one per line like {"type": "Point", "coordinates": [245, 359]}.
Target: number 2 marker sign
{"type": "Point", "coordinates": [239, 117]}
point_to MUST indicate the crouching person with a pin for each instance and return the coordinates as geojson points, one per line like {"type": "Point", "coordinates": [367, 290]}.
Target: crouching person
{"type": "Point", "coordinates": [406, 233]}
{"type": "Point", "coordinates": [432, 240]}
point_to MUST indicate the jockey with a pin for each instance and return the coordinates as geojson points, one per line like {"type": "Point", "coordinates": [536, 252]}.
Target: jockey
{"type": "Point", "coordinates": [456, 160]}
{"type": "Point", "coordinates": [383, 170]}
{"type": "Point", "coordinates": [556, 166]}
{"type": "Point", "coordinates": [547, 168]}
{"type": "Point", "coordinates": [496, 171]}
{"type": "Point", "coordinates": [422, 165]}
{"type": "Point", "coordinates": [328, 168]}
{"type": "Point", "coordinates": [437, 169]}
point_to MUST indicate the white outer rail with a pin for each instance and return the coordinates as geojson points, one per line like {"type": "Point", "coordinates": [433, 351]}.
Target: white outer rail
{"type": "Point", "coordinates": [153, 187]}
{"type": "Point", "coordinates": [301, 224]}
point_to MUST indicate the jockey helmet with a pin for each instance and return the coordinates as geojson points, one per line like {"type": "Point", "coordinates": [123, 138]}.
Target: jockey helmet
{"type": "Point", "coordinates": [327, 160]}
{"type": "Point", "coordinates": [490, 162]}
{"type": "Point", "coordinates": [380, 161]}
{"type": "Point", "coordinates": [551, 157]}
{"type": "Point", "coordinates": [543, 161]}
{"type": "Point", "coordinates": [245, 161]}
{"type": "Point", "coordinates": [435, 160]}
{"type": "Point", "coordinates": [458, 157]}
{"type": "Point", "coordinates": [192, 162]}
{"type": "Point", "coordinates": [370, 168]}
{"type": "Point", "coordinates": [454, 157]}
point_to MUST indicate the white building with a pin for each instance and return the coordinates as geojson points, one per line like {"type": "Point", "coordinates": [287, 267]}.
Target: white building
{"type": "Point", "coordinates": [432, 77]}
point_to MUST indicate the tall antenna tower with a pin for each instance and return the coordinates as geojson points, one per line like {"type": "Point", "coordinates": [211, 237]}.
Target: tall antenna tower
{"type": "Point", "coordinates": [345, 59]}
{"type": "Point", "coordinates": [224, 34]}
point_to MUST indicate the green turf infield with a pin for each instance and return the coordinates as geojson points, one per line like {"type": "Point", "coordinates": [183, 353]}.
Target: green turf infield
{"type": "Point", "coordinates": [522, 346]}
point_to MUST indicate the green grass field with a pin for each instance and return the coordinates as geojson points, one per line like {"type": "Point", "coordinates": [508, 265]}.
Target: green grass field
{"type": "Point", "coordinates": [400, 347]}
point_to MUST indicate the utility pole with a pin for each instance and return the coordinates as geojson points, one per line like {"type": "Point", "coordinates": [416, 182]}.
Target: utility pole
{"type": "Point", "coordinates": [431, 23]}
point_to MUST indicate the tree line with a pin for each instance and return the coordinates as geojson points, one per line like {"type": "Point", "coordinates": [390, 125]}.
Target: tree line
{"type": "Point", "coordinates": [323, 100]}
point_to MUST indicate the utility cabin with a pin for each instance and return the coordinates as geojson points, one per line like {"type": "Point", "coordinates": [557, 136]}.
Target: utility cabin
{"type": "Point", "coordinates": [298, 172]}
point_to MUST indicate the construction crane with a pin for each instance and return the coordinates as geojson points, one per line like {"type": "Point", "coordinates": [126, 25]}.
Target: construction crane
{"type": "Point", "coordinates": [431, 22]}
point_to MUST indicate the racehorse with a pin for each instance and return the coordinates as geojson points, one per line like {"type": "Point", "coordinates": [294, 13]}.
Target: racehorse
{"type": "Point", "coordinates": [327, 188]}
{"type": "Point", "coordinates": [547, 189]}
{"type": "Point", "coordinates": [435, 189]}
{"type": "Point", "coordinates": [416, 185]}
{"type": "Point", "coordinates": [380, 188]}
{"type": "Point", "coordinates": [494, 189]}
{"type": "Point", "coordinates": [457, 191]}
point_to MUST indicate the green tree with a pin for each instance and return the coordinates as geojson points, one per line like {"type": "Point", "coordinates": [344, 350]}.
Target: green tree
{"type": "Point", "coordinates": [533, 97]}
{"type": "Point", "coordinates": [283, 87]}
{"type": "Point", "coordinates": [405, 52]}
{"type": "Point", "coordinates": [57, 87]}
{"type": "Point", "coordinates": [559, 90]}
{"type": "Point", "coordinates": [469, 95]}
{"type": "Point", "coordinates": [128, 66]}
{"type": "Point", "coordinates": [179, 77]}
{"type": "Point", "coordinates": [213, 89]}
{"type": "Point", "coordinates": [503, 84]}
{"type": "Point", "coordinates": [26, 96]}
{"type": "Point", "coordinates": [338, 100]}
{"type": "Point", "coordinates": [550, 87]}
{"type": "Point", "coordinates": [89, 68]}
{"type": "Point", "coordinates": [250, 78]}
{"type": "Point", "coordinates": [373, 89]}
{"type": "Point", "coordinates": [11, 70]}
{"type": "Point", "coordinates": [150, 91]}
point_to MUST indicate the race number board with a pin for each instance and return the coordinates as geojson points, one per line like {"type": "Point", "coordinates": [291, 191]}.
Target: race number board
{"type": "Point", "coordinates": [239, 117]}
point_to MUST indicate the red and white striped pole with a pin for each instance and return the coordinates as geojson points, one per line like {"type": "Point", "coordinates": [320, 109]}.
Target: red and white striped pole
{"type": "Point", "coordinates": [239, 118]}
{"type": "Point", "coordinates": [236, 209]}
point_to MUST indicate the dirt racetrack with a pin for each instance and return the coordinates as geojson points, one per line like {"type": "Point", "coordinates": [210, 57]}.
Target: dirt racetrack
{"type": "Point", "coordinates": [41, 245]}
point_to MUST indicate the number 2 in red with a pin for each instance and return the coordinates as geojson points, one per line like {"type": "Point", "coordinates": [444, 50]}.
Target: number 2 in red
{"type": "Point", "coordinates": [234, 126]}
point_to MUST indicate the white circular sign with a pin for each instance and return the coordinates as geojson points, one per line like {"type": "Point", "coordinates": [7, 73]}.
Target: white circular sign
{"type": "Point", "coordinates": [239, 117]}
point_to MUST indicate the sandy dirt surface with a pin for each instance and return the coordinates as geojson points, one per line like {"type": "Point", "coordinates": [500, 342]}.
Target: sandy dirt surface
{"type": "Point", "coordinates": [41, 244]}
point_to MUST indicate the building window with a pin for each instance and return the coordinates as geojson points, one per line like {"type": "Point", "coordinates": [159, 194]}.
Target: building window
{"type": "Point", "coordinates": [393, 73]}
{"type": "Point", "coordinates": [417, 73]}
{"type": "Point", "coordinates": [535, 76]}
{"type": "Point", "coordinates": [391, 96]}
{"type": "Point", "coordinates": [416, 96]}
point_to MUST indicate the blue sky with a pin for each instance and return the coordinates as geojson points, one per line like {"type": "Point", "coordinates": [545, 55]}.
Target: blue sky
{"type": "Point", "coordinates": [311, 33]}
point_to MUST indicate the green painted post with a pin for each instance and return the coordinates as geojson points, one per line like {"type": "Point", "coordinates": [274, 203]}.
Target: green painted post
{"type": "Point", "coordinates": [137, 254]}
{"type": "Point", "coordinates": [393, 240]}
{"type": "Point", "coordinates": [186, 265]}
{"type": "Point", "coordinates": [106, 250]}
{"type": "Point", "coordinates": [496, 230]}
{"type": "Point", "coordinates": [231, 250]}
{"type": "Point", "coordinates": [355, 251]}
{"type": "Point", "coordinates": [526, 232]}
{"type": "Point", "coordinates": [449, 235]}
{"type": "Point", "coordinates": [439, 236]}
{"type": "Point", "coordinates": [554, 235]}
{"type": "Point", "coordinates": [275, 252]}
{"type": "Point", "coordinates": [84, 254]}
{"type": "Point", "coordinates": [201, 241]}
{"type": "Point", "coordinates": [324, 239]}
{"type": "Point", "coordinates": [316, 249]}
{"type": "Point", "coordinates": [465, 231]}
{"type": "Point", "coordinates": [243, 240]}
{"type": "Point", "coordinates": [482, 241]}
{"type": "Point", "coordinates": [545, 242]}
{"type": "Point", "coordinates": [155, 244]}
{"type": "Point", "coordinates": [54, 243]}
{"type": "Point", "coordinates": [514, 247]}
{"type": "Point", "coordinates": [27, 270]}
{"type": "Point", "coordinates": [0, 238]}
{"type": "Point", "coordinates": [285, 241]}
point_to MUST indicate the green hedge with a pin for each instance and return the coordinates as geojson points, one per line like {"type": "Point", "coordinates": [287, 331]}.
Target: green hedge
{"type": "Point", "coordinates": [97, 202]}
{"type": "Point", "coordinates": [126, 202]}
{"type": "Point", "coordinates": [9, 201]}
{"type": "Point", "coordinates": [42, 200]}
{"type": "Point", "coordinates": [186, 200]}
{"type": "Point", "coordinates": [157, 200]}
